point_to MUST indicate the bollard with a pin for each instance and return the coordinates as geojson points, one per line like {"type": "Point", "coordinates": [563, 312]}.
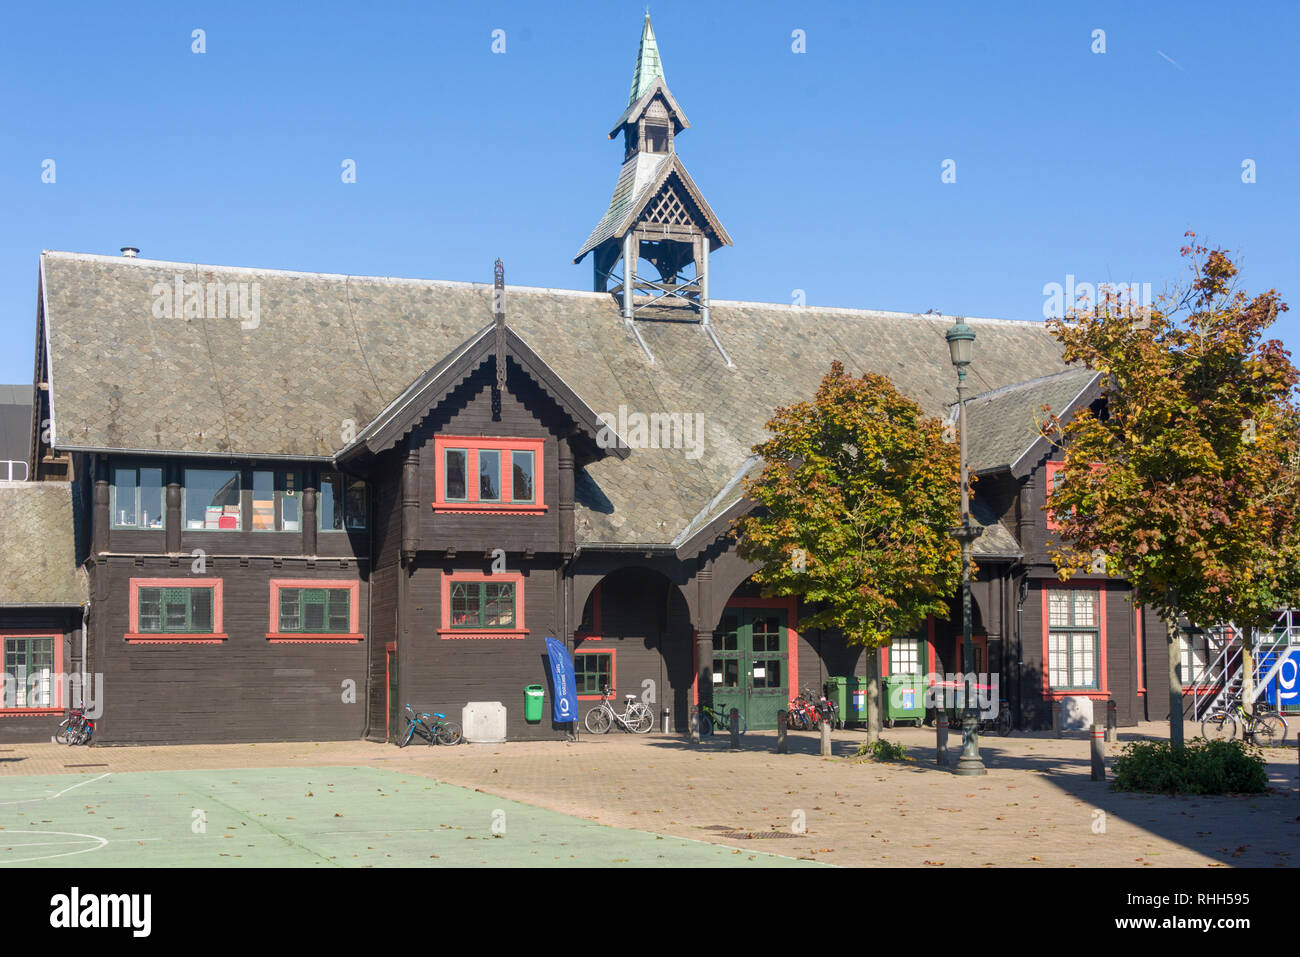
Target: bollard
{"type": "Point", "coordinates": [826, 739]}
{"type": "Point", "coordinates": [1112, 722]}
{"type": "Point", "coordinates": [695, 724]}
{"type": "Point", "coordinates": [782, 718]}
{"type": "Point", "coordinates": [667, 720]}
{"type": "Point", "coordinates": [1098, 753]}
{"type": "Point", "coordinates": [733, 719]}
{"type": "Point", "coordinates": [941, 738]}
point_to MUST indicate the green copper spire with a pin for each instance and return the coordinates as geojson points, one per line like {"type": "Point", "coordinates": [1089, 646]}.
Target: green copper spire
{"type": "Point", "coordinates": [648, 65]}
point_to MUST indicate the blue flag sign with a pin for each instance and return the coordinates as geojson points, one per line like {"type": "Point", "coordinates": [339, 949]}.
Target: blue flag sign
{"type": "Point", "coordinates": [564, 687]}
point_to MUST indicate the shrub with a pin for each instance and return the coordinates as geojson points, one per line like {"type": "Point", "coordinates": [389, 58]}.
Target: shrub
{"type": "Point", "coordinates": [882, 750]}
{"type": "Point", "coordinates": [1201, 767]}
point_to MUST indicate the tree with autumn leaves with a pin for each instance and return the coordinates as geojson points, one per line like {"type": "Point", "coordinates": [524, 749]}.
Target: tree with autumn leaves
{"type": "Point", "coordinates": [856, 498]}
{"type": "Point", "coordinates": [1188, 484]}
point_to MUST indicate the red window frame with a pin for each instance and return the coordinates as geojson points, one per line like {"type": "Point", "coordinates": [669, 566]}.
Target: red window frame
{"type": "Point", "coordinates": [473, 445]}
{"type": "Point", "coordinates": [1103, 661]}
{"type": "Point", "coordinates": [215, 637]}
{"type": "Point", "coordinates": [353, 635]}
{"type": "Point", "coordinates": [57, 679]}
{"type": "Point", "coordinates": [613, 671]}
{"type": "Point", "coordinates": [446, 631]}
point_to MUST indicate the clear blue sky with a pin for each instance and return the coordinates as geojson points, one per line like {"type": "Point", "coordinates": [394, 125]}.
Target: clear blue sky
{"type": "Point", "coordinates": [824, 166]}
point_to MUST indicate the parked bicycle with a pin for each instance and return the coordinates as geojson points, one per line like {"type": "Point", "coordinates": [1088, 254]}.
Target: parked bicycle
{"type": "Point", "coordinates": [999, 724]}
{"type": "Point", "coordinates": [76, 728]}
{"type": "Point", "coordinates": [432, 726]}
{"type": "Point", "coordinates": [636, 717]}
{"type": "Point", "coordinates": [1262, 725]}
{"type": "Point", "coordinates": [803, 714]}
{"type": "Point", "coordinates": [711, 718]}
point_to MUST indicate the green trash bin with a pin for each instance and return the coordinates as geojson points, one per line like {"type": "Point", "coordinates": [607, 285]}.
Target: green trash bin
{"type": "Point", "coordinates": [837, 690]}
{"type": "Point", "coordinates": [533, 698]}
{"type": "Point", "coordinates": [904, 699]}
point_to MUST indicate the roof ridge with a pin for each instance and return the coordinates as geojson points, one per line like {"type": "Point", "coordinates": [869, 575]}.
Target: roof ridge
{"type": "Point", "coordinates": [1012, 387]}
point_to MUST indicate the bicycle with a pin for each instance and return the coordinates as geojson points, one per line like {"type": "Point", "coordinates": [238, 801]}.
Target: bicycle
{"type": "Point", "coordinates": [1265, 727]}
{"type": "Point", "coordinates": [999, 724]}
{"type": "Point", "coordinates": [433, 727]}
{"type": "Point", "coordinates": [636, 717]}
{"type": "Point", "coordinates": [711, 718]}
{"type": "Point", "coordinates": [76, 728]}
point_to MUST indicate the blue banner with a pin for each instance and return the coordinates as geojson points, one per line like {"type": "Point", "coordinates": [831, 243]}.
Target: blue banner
{"type": "Point", "coordinates": [564, 693]}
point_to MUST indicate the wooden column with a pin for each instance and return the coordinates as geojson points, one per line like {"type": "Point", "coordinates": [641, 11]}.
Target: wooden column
{"type": "Point", "coordinates": [99, 532]}
{"type": "Point", "coordinates": [565, 462]}
{"type": "Point", "coordinates": [173, 520]}
{"type": "Point", "coordinates": [309, 520]}
{"type": "Point", "coordinates": [705, 622]}
{"type": "Point", "coordinates": [411, 504]}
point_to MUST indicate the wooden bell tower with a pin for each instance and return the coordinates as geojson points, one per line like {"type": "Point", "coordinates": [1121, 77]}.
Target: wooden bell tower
{"type": "Point", "coordinates": [657, 213]}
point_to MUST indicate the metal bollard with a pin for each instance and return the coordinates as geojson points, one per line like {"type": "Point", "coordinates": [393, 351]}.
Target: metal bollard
{"type": "Point", "coordinates": [695, 724]}
{"type": "Point", "coordinates": [734, 722]}
{"type": "Point", "coordinates": [667, 720]}
{"type": "Point", "coordinates": [782, 718]}
{"type": "Point", "coordinates": [1112, 722]}
{"type": "Point", "coordinates": [941, 738]}
{"type": "Point", "coordinates": [1098, 753]}
{"type": "Point", "coordinates": [826, 739]}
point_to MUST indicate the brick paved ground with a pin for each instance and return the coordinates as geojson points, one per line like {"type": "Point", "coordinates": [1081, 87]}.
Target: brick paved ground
{"type": "Point", "coordinates": [1036, 807]}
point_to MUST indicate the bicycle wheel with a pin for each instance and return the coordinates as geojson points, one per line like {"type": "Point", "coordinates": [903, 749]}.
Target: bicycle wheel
{"type": "Point", "coordinates": [449, 733]}
{"type": "Point", "coordinates": [1270, 729]}
{"type": "Point", "coordinates": [406, 738]}
{"type": "Point", "coordinates": [1004, 722]}
{"type": "Point", "coordinates": [598, 720]}
{"type": "Point", "coordinates": [61, 736]}
{"type": "Point", "coordinates": [640, 718]}
{"type": "Point", "coordinates": [1219, 727]}
{"type": "Point", "coordinates": [706, 725]}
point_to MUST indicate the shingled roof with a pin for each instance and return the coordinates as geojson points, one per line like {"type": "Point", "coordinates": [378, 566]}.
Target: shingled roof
{"type": "Point", "coordinates": [38, 558]}
{"type": "Point", "coordinates": [1004, 423]}
{"type": "Point", "coordinates": [329, 348]}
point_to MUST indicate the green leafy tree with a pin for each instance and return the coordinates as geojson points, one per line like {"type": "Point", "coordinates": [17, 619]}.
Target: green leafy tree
{"type": "Point", "coordinates": [1187, 485]}
{"type": "Point", "coordinates": [857, 494]}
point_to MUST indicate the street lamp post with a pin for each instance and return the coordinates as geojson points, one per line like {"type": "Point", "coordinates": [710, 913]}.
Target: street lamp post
{"type": "Point", "coordinates": [961, 344]}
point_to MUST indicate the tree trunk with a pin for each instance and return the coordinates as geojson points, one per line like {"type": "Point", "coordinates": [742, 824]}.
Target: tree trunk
{"type": "Point", "coordinates": [1175, 685]}
{"type": "Point", "coordinates": [1248, 669]}
{"type": "Point", "coordinates": [873, 694]}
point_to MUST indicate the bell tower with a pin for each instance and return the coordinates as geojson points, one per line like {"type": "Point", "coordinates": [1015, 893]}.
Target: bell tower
{"type": "Point", "coordinates": [657, 213]}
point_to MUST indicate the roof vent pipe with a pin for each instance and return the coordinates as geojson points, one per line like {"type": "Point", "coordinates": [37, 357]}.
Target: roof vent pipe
{"type": "Point", "coordinates": [130, 252]}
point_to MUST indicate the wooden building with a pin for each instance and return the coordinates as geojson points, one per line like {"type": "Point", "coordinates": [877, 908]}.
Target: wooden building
{"type": "Point", "coordinates": [345, 493]}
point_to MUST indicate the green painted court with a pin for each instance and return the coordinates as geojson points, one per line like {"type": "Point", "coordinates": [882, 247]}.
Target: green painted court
{"type": "Point", "coordinates": [312, 817]}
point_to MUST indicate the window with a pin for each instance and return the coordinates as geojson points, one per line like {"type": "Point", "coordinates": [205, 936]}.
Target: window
{"type": "Point", "coordinates": [1197, 658]}
{"type": "Point", "coordinates": [904, 656]}
{"type": "Point", "coordinates": [175, 611]}
{"type": "Point", "coordinates": [344, 501]}
{"type": "Point", "coordinates": [212, 500]}
{"type": "Point", "coordinates": [476, 605]}
{"type": "Point", "coordinates": [30, 667]}
{"type": "Point", "coordinates": [488, 474]}
{"type": "Point", "coordinates": [314, 611]}
{"type": "Point", "coordinates": [1073, 638]}
{"type": "Point", "coordinates": [277, 501]}
{"type": "Point", "coordinates": [137, 497]}
{"type": "Point", "coordinates": [593, 670]}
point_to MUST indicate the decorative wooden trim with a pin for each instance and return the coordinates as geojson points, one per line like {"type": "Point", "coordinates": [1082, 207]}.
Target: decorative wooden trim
{"type": "Point", "coordinates": [353, 633]}
{"type": "Point", "coordinates": [613, 671]}
{"type": "Point", "coordinates": [56, 680]}
{"type": "Point", "coordinates": [473, 445]}
{"type": "Point", "coordinates": [446, 631]}
{"type": "Point", "coordinates": [136, 637]}
{"type": "Point", "coordinates": [1103, 663]}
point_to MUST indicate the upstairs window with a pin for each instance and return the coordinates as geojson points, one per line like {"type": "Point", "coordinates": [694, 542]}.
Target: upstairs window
{"type": "Point", "coordinates": [488, 474]}
{"type": "Point", "coordinates": [212, 500]}
{"type": "Point", "coordinates": [343, 503]}
{"type": "Point", "coordinates": [137, 497]}
{"type": "Point", "coordinates": [277, 501]}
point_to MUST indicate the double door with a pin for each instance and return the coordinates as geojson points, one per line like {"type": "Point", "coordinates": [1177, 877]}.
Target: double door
{"type": "Point", "coordinates": [751, 665]}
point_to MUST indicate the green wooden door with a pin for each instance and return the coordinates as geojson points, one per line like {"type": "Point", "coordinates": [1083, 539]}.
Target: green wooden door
{"type": "Point", "coordinates": [750, 665]}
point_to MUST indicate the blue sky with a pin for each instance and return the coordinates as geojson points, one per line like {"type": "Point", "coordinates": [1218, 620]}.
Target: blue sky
{"type": "Point", "coordinates": [824, 166]}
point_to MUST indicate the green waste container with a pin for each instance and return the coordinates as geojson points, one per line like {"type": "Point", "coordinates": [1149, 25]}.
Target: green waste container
{"type": "Point", "coordinates": [837, 690]}
{"type": "Point", "coordinates": [533, 697]}
{"type": "Point", "coordinates": [904, 699]}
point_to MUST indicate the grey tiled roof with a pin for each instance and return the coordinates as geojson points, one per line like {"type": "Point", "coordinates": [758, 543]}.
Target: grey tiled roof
{"type": "Point", "coordinates": [38, 562]}
{"type": "Point", "coordinates": [1004, 423]}
{"type": "Point", "coordinates": [330, 348]}
{"type": "Point", "coordinates": [632, 189]}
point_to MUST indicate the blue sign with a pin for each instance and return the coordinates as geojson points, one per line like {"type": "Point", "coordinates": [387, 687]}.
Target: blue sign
{"type": "Point", "coordinates": [1283, 691]}
{"type": "Point", "coordinates": [564, 688]}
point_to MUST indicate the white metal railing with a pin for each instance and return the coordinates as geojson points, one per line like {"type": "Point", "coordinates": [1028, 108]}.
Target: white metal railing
{"type": "Point", "coordinates": [7, 469]}
{"type": "Point", "coordinates": [1224, 673]}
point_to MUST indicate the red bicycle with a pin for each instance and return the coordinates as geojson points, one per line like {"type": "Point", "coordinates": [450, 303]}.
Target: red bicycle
{"type": "Point", "coordinates": [803, 715]}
